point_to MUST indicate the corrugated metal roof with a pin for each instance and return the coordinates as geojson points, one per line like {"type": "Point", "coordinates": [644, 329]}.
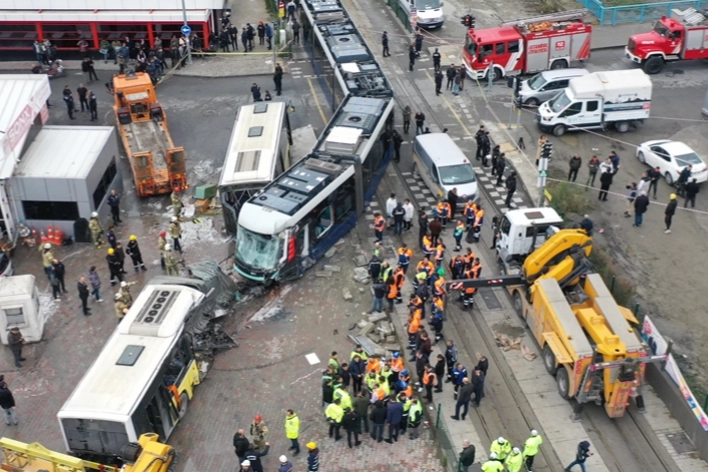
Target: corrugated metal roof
{"type": "Point", "coordinates": [63, 152]}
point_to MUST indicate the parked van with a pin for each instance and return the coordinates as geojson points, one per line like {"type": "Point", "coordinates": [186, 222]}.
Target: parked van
{"type": "Point", "coordinates": [545, 85]}
{"type": "Point", "coordinates": [443, 166]}
{"type": "Point", "coordinates": [430, 13]}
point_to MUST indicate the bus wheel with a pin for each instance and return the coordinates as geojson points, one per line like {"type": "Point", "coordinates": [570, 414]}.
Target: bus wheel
{"type": "Point", "coordinates": [183, 404]}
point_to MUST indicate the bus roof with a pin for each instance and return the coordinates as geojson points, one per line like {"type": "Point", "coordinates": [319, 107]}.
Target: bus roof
{"type": "Point", "coordinates": [254, 145]}
{"type": "Point", "coordinates": [117, 379]}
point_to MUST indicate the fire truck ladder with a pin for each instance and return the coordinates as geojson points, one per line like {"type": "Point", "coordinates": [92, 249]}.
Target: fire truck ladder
{"type": "Point", "coordinates": [570, 15]}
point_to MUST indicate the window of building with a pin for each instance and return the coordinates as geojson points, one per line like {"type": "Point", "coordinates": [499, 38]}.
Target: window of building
{"type": "Point", "coordinates": [119, 31]}
{"type": "Point", "coordinates": [67, 35]}
{"type": "Point", "coordinates": [61, 211]}
{"type": "Point", "coordinates": [104, 185]}
{"type": "Point", "coordinates": [164, 31]}
{"type": "Point", "coordinates": [15, 316]}
{"type": "Point", "coordinates": [20, 36]}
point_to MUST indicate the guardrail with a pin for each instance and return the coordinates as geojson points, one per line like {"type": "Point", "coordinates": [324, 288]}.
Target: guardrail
{"type": "Point", "coordinates": [402, 11]}
{"type": "Point", "coordinates": [636, 13]}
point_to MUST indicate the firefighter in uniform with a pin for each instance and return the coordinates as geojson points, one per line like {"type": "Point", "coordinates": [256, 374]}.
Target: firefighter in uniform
{"type": "Point", "coordinates": [121, 307]}
{"type": "Point", "coordinates": [175, 231]}
{"type": "Point", "coordinates": [161, 243]}
{"type": "Point", "coordinates": [259, 431]}
{"type": "Point", "coordinates": [114, 266]}
{"type": "Point", "coordinates": [96, 230]}
{"type": "Point", "coordinates": [133, 250]}
{"type": "Point", "coordinates": [404, 257]}
{"type": "Point", "coordinates": [170, 261]}
{"type": "Point", "coordinates": [125, 292]}
{"type": "Point", "coordinates": [176, 203]}
{"type": "Point", "coordinates": [47, 257]}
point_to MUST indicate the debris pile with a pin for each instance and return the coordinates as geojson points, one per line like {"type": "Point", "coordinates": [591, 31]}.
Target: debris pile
{"type": "Point", "coordinates": [507, 344]}
{"type": "Point", "coordinates": [375, 334]}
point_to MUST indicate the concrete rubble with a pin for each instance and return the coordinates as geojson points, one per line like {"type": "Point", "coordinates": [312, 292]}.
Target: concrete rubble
{"type": "Point", "coordinates": [375, 334]}
{"type": "Point", "coordinates": [347, 295]}
{"type": "Point", "coordinates": [331, 252]}
{"type": "Point", "coordinates": [361, 275]}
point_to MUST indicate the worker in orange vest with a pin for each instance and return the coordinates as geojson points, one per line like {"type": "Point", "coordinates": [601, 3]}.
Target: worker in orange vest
{"type": "Point", "coordinates": [391, 293]}
{"type": "Point", "coordinates": [469, 258]}
{"type": "Point", "coordinates": [399, 278]}
{"type": "Point", "coordinates": [457, 266]}
{"type": "Point", "coordinates": [439, 287]}
{"type": "Point", "coordinates": [477, 227]}
{"type": "Point", "coordinates": [429, 379]}
{"type": "Point", "coordinates": [439, 254]}
{"type": "Point", "coordinates": [404, 257]}
{"type": "Point", "coordinates": [428, 247]}
{"type": "Point", "coordinates": [468, 293]}
{"type": "Point", "coordinates": [379, 226]}
{"type": "Point", "coordinates": [396, 367]}
{"type": "Point", "coordinates": [373, 365]}
{"type": "Point", "coordinates": [470, 210]}
{"type": "Point", "coordinates": [476, 268]}
{"type": "Point", "coordinates": [426, 266]}
{"type": "Point", "coordinates": [413, 326]}
{"type": "Point", "coordinates": [443, 209]}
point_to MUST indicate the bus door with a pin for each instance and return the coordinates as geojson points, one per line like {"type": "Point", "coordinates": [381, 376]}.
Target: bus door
{"type": "Point", "coordinates": [231, 202]}
{"type": "Point", "coordinates": [158, 413]}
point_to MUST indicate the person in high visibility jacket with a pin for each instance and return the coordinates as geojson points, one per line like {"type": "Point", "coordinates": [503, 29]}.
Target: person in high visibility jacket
{"type": "Point", "coordinates": [468, 292]}
{"type": "Point", "coordinates": [391, 294]}
{"type": "Point", "coordinates": [383, 383]}
{"type": "Point", "coordinates": [459, 232]}
{"type": "Point", "coordinates": [426, 266]}
{"type": "Point", "coordinates": [501, 447]}
{"type": "Point", "coordinates": [515, 461]}
{"type": "Point", "coordinates": [413, 327]}
{"type": "Point", "coordinates": [399, 278]}
{"type": "Point", "coordinates": [457, 266]}
{"type": "Point", "coordinates": [379, 226]}
{"type": "Point", "coordinates": [439, 254]}
{"type": "Point", "coordinates": [427, 245]}
{"type": "Point", "coordinates": [415, 303]}
{"type": "Point", "coordinates": [439, 287]}
{"type": "Point", "coordinates": [386, 272]}
{"type": "Point", "coordinates": [479, 218]}
{"type": "Point", "coordinates": [358, 351]}
{"type": "Point", "coordinates": [378, 393]}
{"type": "Point", "coordinates": [406, 409]}
{"type": "Point", "coordinates": [396, 367]}
{"type": "Point", "coordinates": [415, 417]}
{"type": "Point", "coordinates": [470, 209]}
{"type": "Point", "coordinates": [373, 364]}
{"type": "Point", "coordinates": [476, 268]}
{"type": "Point", "coordinates": [345, 400]}
{"type": "Point", "coordinates": [444, 210]}
{"type": "Point", "coordinates": [531, 449]}
{"type": "Point", "coordinates": [469, 258]}
{"type": "Point", "coordinates": [371, 380]}
{"type": "Point", "coordinates": [377, 250]}
{"type": "Point", "coordinates": [493, 464]}
{"type": "Point", "coordinates": [429, 380]}
{"type": "Point", "coordinates": [436, 319]}
{"type": "Point", "coordinates": [292, 430]}
{"type": "Point", "coordinates": [334, 414]}
{"type": "Point", "coordinates": [405, 254]}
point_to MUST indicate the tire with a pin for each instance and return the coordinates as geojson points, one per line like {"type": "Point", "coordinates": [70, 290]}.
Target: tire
{"type": "Point", "coordinates": [558, 130]}
{"type": "Point", "coordinates": [183, 404]}
{"type": "Point", "coordinates": [563, 383]}
{"type": "Point", "coordinates": [653, 65]}
{"type": "Point", "coordinates": [559, 64]}
{"type": "Point", "coordinates": [641, 157]}
{"type": "Point", "coordinates": [518, 304]}
{"type": "Point", "coordinates": [549, 360]}
{"type": "Point", "coordinates": [532, 102]}
{"type": "Point", "coordinates": [622, 126]}
{"type": "Point", "coordinates": [669, 178]}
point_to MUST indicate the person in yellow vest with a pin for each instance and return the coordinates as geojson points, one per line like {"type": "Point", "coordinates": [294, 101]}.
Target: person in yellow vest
{"type": "Point", "coordinates": [531, 448]}
{"type": "Point", "coordinates": [292, 431]}
{"type": "Point", "coordinates": [415, 417]}
{"type": "Point", "coordinates": [493, 464]}
{"type": "Point", "coordinates": [345, 400]}
{"type": "Point", "coordinates": [333, 362]}
{"type": "Point", "coordinates": [120, 306]}
{"type": "Point", "coordinates": [358, 351]}
{"type": "Point", "coordinates": [47, 257]}
{"type": "Point", "coordinates": [515, 461]}
{"type": "Point", "coordinates": [383, 383]}
{"type": "Point", "coordinates": [334, 414]}
{"type": "Point", "coordinates": [501, 448]}
{"type": "Point", "coordinates": [386, 373]}
{"type": "Point", "coordinates": [371, 381]}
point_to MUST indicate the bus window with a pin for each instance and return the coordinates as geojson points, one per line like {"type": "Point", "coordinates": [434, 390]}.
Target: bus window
{"type": "Point", "coordinates": [324, 222]}
{"type": "Point", "coordinates": [345, 202]}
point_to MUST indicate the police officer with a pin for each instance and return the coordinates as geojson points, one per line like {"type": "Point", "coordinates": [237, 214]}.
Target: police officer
{"type": "Point", "coordinates": [436, 60]}
{"type": "Point", "coordinates": [384, 44]}
{"type": "Point", "coordinates": [96, 230]}
{"type": "Point", "coordinates": [113, 201]}
{"type": "Point", "coordinates": [411, 57]}
{"type": "Point", "coordinates": [175, 231]}
{"type": "Point", "coordinates": [438, 81]}
{"type": "Point", "coordinates": [501, 448]}
{"type": "Point", "coordinates": [133, 250]}
{"type": "Point", "coordinates": [334, 414]}
{"type": "Point", "coordinates": [514, 461]}
{"type": "Point", "coordinates": [170, 261]}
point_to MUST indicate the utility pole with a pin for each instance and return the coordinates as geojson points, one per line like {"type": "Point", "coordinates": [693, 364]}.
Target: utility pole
{"type": "Point", "coordinates": [546, 154]}
{"type": "Point", "coordinates": [189, 46]}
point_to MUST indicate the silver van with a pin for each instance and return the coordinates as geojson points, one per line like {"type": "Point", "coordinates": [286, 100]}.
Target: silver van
{"type": "Point", "coordinates": [443, 166]}
{"type": "Point", "coordinates": [545, 85]}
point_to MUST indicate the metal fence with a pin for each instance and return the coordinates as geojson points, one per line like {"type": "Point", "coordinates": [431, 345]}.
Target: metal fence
{"type": "Point", "coordinates": [636, 13]}
{"type": "Point", "coordinates": [448, 454]}
{"type": "Point", "coordinates": [402, 12]}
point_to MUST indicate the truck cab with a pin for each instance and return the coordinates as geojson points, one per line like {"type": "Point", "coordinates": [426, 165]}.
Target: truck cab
{"type": "Point", "coordinates": [522, 232]}
{"type": "Point", "coordinates": [495, 51]}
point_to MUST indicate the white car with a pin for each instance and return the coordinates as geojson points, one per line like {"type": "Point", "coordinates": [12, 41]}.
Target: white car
{"type": "Point", "coordinates": [672, 157]}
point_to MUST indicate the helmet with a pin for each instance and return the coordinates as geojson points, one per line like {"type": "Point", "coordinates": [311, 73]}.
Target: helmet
{"type": "Point", "coordinates": [94, 214]}
{"type": "Point", "coordinates": [500, 440]}
{"type": "Point", "coordinates": [283, 459]}
{"type": "Point", "coordinates": [163, 233]}
{"type": "Point", "coordinates": [534, 432]}
{"type": "Point", "coordinates": [404, 372]}
{"type": "Point", "coordinates": [258, 418]}
{"type": "Point", "coordinates": [124, 284]}
{"type": "Point", "coordinates": [173, 219]}
{"type": "Point", "coordinates": [168, 247]}
{"type": "Point", "coordinates": [396, 355]}
{"type": "Point", "coordinates": [492, 456]}
{"type": "Point", "coordinates": [133, 237]}
{"type": "Point", "coordinates": [246, 462]}
{"type": "Point", "coordinates": [47, 245]}
{"type": "Point", "coordinates": [117, 296]}
{"type": "Point", "coordinates": [111, 251]}
{"type": "Point", "coordinates": [516, 450]}
{"type": "Point", "coordinates": [312, 445]}
{"type": "Point", "coordinates": [672, 196]}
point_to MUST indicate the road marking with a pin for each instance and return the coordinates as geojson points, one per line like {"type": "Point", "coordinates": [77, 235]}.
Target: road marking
{"type": "Point", "coordinates": [454, 113]}
{"type": "Point", "coordinates": [317, 101]}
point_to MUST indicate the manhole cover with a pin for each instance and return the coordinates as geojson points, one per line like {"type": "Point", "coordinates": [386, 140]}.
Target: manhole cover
{"type": "Point", "coordinates": [208, 112]}
{"type": "Point", "coordinates": [681, 443]}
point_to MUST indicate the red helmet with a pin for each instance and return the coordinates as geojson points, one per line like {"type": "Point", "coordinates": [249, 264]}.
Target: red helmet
{"type": "Point", "coordinates": [163, 233]}
{"type": "Point", "coordinates": [258, 418]}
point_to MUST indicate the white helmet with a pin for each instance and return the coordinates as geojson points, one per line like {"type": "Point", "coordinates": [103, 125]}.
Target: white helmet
{"type": "Point", "coordinates": [493, 456]}
{"type": "Point", "coordinates": [516, 450]}
{"type": "Point", "coordinates": [534, 432]}
{"type": "Point", "coordinates": [283, 459]}
{"type": "Point", "coordinates": [94, 214]}
{"type": "Point", "coordinates": [47, 245]}
{"type": "Point", "coordinates": [501, 440]}
{"type": "Point", "coordinates": [168, 247]}
{"type": "Point", "coordinates": [124, 284]}
{"type": "Point", "coordinates": [118, 296]}
{"type": "Point", "coordinates": [246, 462]}
{"type": "Point", "coordinates": [173, 219]}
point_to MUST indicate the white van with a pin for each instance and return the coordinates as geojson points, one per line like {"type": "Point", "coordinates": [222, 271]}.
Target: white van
{"type": "Point", "coordinates": [545, 85]}
{"type": "Point", "coordinates": [443, 166]}
{"type": "Point", "coordinates": [430, 13]}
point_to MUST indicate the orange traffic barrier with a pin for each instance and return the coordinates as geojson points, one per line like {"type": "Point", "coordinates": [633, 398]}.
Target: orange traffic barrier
{"type": "Point", "coordinates": [43, 237]}
{"type": "Point", "coordinates": [50, 233]}
{"type": "Point", "coordinates": [34, 233]}
{"type": "Point", "coordinates": [58, 236]}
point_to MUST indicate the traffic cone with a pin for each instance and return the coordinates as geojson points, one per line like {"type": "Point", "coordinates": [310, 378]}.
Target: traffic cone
{"type": "Point", "coordinates": [50, 234]}
{"type": "Point", "coordinates": [43, 237]}
{"type": "Point", "coordinates": [58, 237]}
{"type": "Point", "coordinates": [34, 233]}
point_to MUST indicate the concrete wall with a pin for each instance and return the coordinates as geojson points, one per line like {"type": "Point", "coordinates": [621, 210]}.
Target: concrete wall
{"type": "Point", "coordinates": [669, 393]}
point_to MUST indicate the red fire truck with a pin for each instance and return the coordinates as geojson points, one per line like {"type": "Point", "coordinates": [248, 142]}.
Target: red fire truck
{"type": "Point", "coordinates": [528, 45]}
{"type": "Point", "coordinates": [684, 36]}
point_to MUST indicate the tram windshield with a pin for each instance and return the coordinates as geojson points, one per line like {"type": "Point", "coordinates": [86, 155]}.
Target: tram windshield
{"type": "Point", "coordinates": [259, 251]}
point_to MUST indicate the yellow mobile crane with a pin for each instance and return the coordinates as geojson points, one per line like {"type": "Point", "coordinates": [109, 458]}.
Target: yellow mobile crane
{"type": "Point", "coordinates": [586, 339]}
{"type": "Point", "coordinates": [147, 455]}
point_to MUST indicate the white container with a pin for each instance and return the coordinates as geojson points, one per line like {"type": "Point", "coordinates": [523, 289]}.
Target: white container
{"type": "Point", "coordinates": [20, 307]}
